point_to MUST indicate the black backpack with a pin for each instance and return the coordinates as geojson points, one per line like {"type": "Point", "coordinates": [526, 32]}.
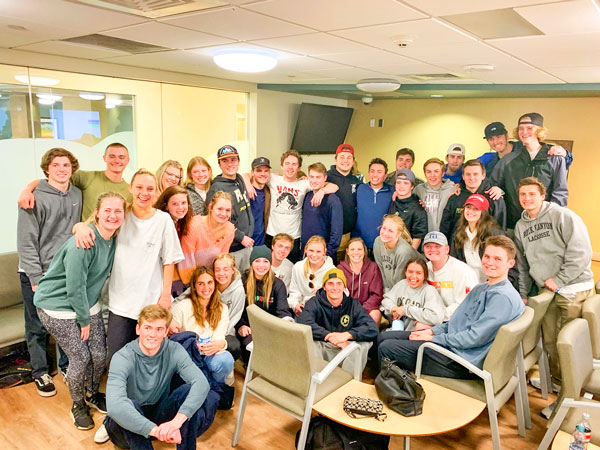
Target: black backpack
{"type": "Point", "coordinates": [325, 434]}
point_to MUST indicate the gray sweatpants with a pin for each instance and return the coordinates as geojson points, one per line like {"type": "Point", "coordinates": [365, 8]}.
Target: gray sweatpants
{"type": "Point", "coordinates": [328, 351]}
{"type": "Point", "coordinates": [87, 359]}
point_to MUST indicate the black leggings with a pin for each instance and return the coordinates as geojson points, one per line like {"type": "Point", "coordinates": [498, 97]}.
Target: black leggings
{"type": "Point", "coordinates": [121, 330]}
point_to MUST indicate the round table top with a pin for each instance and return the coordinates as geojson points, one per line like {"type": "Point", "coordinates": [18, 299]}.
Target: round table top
{"type": "Point", "coordinates": [444, 410]}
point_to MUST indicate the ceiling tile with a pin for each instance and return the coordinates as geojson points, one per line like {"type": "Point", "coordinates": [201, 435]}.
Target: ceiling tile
{"type": "Point", "coordinates": [578, 16]}
{"type": "Point", "coordinates": [237, 23]}
{"type": "Point", "coordinates": [524, 75]}
{"type": "Point", "coordinates": [366, 58]}
{"type": "Point", "coordinates": [409, 68]}
{"type": "Point", "coordinates": [167, 36]}
{"type": "Point", "coordinates": [554, 51]}
{"type": "Point", "coordinates": [348, 73]}
{"type": "Point", "coordinates": [70, 49]}
{"type": "Point", "coordinates": [33, 32]}
{"type": "Point", "coordinates": [590, 74]}
{"type": "Point", "coordinates": [337, 14]}
{"type": "Point", "coordinates": [67, 15]}
{"type": "Point", "coordinates": [313, 44]}
{"type": "Point", "coordinates": [444, 7]}
{"type": "Point", "coordinates": [173, 60]}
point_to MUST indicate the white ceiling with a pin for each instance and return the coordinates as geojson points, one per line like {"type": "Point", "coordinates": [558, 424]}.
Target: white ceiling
{"type": "Point", "coordinates": [327, 41]}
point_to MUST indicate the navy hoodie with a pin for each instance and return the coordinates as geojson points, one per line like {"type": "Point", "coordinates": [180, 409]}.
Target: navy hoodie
{"type": "Point", "coordinates": [325, 220]}
{"type": "Point", "coordinates": [350, 316]}
{"type": "Point", "coordinates": [371, 207]}
{"type": "Point", "coordinates": [347, 194]}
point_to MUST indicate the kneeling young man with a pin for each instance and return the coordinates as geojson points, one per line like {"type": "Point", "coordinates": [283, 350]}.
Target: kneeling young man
{"type": "Point", "coordinates": [337, 319]}
{"type": "Point", "coordinates": [472, 328]}
{"type": "Point", "coordinates": [139, 403]}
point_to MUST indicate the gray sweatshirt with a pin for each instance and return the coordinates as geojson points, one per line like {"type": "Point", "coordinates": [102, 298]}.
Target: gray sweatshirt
{"type": "Point", "coordinates": [134, 376]}
{"type": "Point", "coordinates": [422, 304]}
{"type": "Point", "coordinates": [392, 262]}
{"type": "Point", "coordinates": [42, 230]}
{"type": "Point", "coordinates": [234, 296]}
{"type": "Point", "coordinates": [556, 245]}
{"type": "Point", "coordinates": [435, 200]}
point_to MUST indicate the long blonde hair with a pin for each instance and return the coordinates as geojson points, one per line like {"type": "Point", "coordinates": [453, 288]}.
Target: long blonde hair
{"type": "Point", "coordinates": [214, 308]}
{"type": "Point", "coordinates": [316, 239]}
{"type": "Point", "coordinates": [404, 233]}
{"type": "Point", "coordinates": [163, 168]}
{"type": "Point", "coordinates": [203, 162]}
{"type": "Point", "coordinates": [268, 281]}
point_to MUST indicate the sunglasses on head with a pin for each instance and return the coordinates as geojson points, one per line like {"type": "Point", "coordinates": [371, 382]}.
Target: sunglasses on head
{"type": "Point", "coordinates": [311, 277]}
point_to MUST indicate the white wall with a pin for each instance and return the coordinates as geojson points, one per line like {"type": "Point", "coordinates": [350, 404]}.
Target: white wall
{"type": "Point", "coordinates": [277, 113]}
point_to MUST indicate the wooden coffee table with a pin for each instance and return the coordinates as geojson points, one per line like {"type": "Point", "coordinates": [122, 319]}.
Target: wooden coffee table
{"type": "Point", "coordinates": [444, 410]}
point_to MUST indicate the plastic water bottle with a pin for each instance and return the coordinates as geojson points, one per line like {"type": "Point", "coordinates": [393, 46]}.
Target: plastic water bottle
{"type": "Point", "coordinates": [582, 434]}
{"type": "Point", "coordinates": [398, 325]}
{"type": "Point", "coordinates": [203, 339]}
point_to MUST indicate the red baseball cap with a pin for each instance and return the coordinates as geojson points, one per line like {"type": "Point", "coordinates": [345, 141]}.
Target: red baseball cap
{"type": "Point", "coordinates": [345, 148]}
{"type": "Point", "coordinates": [478, 201]}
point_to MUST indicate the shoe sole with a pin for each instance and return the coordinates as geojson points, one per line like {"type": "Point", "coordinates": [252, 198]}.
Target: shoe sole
{"type": "Point", "coordinates": [79, 427]}
{"type": "Point", "coordinates": [98, 441]}
{"type": "Point", "coordinates": [91, 405]}
{"type": "Point", "coordinates": [46, 394]}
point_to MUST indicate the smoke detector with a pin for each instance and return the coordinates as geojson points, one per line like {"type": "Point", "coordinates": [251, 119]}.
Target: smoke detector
{"type": "Point", "coordinates": [403, 40]}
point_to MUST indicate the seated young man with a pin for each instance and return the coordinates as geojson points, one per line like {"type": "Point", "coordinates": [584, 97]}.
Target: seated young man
{"type": "Point", "coordinates": [337, 319]}
{"type": "Point", "coordinates": [472, 328]}
{"type": "Point", "coordinates": [140, 406]}
{"type": "Point", "coordinates": [281, 248]}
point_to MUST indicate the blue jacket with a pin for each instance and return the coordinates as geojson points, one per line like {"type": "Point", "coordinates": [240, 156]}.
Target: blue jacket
{"type": "Point", "coordinates": [456, 178]}
{"type": "Point", "coordinates": [370, 209]}
{"type": "Point", "coordinates": [472, 328]}
{"type": "Point", "coordinates": [326, 220]}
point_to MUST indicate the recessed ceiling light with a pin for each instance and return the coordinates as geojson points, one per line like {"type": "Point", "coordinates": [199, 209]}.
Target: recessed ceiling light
{"type": "Point", "coordinates": [245, 60]}
{"type": "Point", "coordinates": [478, 68]}
{"type": "Point", "coordinates": [53, 97]}
{"type": "Point", "coordinates": [377, 85]}
{"type": "Point", "coordinates": [437, 95]}
{"type": "Point", "coordinates": [37, 81]}
{"type": "Point", "coordinates": [91, 96]}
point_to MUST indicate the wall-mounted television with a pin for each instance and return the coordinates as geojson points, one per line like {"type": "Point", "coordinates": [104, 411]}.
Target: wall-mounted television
{"type": "Point", "coordinates": [320, 128]}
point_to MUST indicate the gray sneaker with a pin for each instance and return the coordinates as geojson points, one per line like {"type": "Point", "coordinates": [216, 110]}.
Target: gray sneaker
{"type": "Point", "coordinates": [80, 412]}
{"type": "Point", "coordinates": [546, 413]}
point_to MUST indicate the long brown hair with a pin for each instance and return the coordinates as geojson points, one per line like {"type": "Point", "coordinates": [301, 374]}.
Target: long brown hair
{"type": "Point", "coordinates": [214, 308]}
{"type": "Point", "coordinates": [182, 225]}
{"type": "Point", "coordinates": [268, 281]}
{"type": "Point", "coordinates": [483, 227]}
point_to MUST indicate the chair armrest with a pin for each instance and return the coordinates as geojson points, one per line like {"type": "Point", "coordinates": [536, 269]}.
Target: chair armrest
{"type": "Point", "coordinates": [453, 356]}
{"type": "Point", "coordinates": [560, 415]}
{"type": "Point", "coordinates": [250, 347]}
{"type": "Point", "coordinates": [319, 377]}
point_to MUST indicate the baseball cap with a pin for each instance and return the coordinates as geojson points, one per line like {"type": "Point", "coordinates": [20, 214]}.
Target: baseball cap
{"type": "Point", "coordinates": [532, 119]}
{"type": "Point", "coordinates": [334, 273]}
{"type": "Point", "coordinates": [226, 151]}
{"type": "Point", "coordinates": [405, 174]}
{"type": "Point", "coordinates": [494, 129]}
{"type": "Point", "coordinates": [345, 148]}
{"type": "Point", "coordinates": [478, 201]}
{"type": "Point", "coordinates": [456, 148]}
{"type": "Point", "coordinates": [262, 161]}
{"type": "Point", "coordinates": [436, 237]}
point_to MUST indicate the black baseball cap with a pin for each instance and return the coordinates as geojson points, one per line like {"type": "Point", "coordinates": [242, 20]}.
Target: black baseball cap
{"type": "Point", "coordinates": [494, 129]}
{"type": "Point", "coordinates": [532, 119]}
{"type": "Point", "coordinates": [262, 161]}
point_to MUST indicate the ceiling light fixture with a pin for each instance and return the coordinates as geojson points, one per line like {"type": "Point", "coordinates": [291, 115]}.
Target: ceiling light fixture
{"type": "Point", "coordinates": [48, 97]}
{"type": "Point", "coordinates": [378, 85]}
{"type": "Point", "coordinates": [46, 101]}
{"type": "Point", "coordinates": [245, 60]}
{"type": "Point", "coordinates": [91, 96]}
{"type": "Point", "coordinates": [37, 81]}
{"type": "Point", "coordinates": [437, 96]}
{"type": "Point", "coordinates": [478, 68]}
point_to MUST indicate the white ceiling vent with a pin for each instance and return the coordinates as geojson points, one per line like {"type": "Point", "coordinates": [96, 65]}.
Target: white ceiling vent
{"type": "Point", "coordinates": [153, 9]}
{"type": "Point", "coordinates": [432, 77]}
{"type": "Point", "coordinates": [114, 43]}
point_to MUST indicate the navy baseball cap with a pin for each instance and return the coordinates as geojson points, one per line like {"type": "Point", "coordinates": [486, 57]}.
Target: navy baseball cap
{"type": "Point", "coordinates": [494, 129]}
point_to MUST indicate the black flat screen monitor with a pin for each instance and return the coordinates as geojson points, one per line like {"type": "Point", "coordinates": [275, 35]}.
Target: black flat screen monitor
{"type": "Point", "coordinates": [321, 128]}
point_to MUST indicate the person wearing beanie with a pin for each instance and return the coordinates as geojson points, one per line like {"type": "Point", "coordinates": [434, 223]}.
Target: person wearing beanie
{"type": "Point", "coordinates": [336, 320]}
{"type": "Point", "coordinates": [263, 289]}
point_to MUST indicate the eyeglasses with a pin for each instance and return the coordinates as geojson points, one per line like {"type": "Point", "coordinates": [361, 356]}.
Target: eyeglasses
{"type": "Point", "coordinates": [173, 175]}
{"type": "Point", "coordinates": [311, 277]}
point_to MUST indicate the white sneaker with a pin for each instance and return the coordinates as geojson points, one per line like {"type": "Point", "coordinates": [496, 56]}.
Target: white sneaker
{"type": "Point", "coordinates": [537, 383]}
{"type": "Point", "coordinates": [547, 411]}
{"type": "Point", "coordinates": [230, 379]}
{"type": "Point", "coordinates": [101, 435]}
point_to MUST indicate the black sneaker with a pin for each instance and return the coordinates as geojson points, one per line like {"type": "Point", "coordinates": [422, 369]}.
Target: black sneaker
{"type": "Point", "coordinates": [45, 386]}
{"type": "Point", "coordinates": [80, 412]}
{"type": "Point", "coordinates": [98, 401]}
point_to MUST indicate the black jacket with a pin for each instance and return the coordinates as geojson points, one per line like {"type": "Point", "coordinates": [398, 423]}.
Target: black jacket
{"type": "Point", "coordinates": [456, 203]}
{"type": "Point", "coordinates": [241, 213]}
{"type": "Point", "coordinates": [550, 170]}
{"type": "Point", "coordinates": [349, 316]}
{"type": "Point", "coordinates": [276, 306]}
{"type": "Point", "coordinates": [347, 194]}
{"type": "Point", "coordinates": [412, 213]}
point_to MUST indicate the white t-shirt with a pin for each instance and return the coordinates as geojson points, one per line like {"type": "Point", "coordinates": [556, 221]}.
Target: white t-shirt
{"type": "Point", "coordinates": [453, 282]}
{"type": "Point", "coordinates": [143, 248]}
{"type": "Point", "coordinates": [284, 272]}
{"type": "Point", "coordinates": [472, 257]}
{"type": "Point", "coordinates": [286, 206]}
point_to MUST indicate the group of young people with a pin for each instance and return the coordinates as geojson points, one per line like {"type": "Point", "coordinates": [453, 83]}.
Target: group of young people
{"type": "Point", "coordinates": [450, 259]}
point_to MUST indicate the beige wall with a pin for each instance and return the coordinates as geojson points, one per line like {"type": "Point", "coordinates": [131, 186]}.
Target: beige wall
{"type": "Point", "coordinates": [430, 126]}
{"type": "Point", "coordinates": [276, 120]}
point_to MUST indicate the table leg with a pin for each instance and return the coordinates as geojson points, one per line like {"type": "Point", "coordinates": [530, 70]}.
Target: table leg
{"type": "Point", "coordinates": [406, 442]}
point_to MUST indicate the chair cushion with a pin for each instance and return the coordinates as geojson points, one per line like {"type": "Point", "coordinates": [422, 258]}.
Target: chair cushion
{"type": "Point", "coordinates": [532, 358]}
{"type": "Point", "coordinates": [593, 383]}
{"type": "Point", "coordinates": [292, 403]}
{"type": "Point", "coordinates": [12, 324]}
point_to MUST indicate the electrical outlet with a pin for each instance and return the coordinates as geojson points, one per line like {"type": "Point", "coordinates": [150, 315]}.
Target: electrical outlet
{"type": "Point", "coordinates": [372, 123]}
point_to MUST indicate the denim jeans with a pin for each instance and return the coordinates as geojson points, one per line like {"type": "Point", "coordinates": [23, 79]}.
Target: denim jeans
{"type": "Point", "coordinates": [219, 364]}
